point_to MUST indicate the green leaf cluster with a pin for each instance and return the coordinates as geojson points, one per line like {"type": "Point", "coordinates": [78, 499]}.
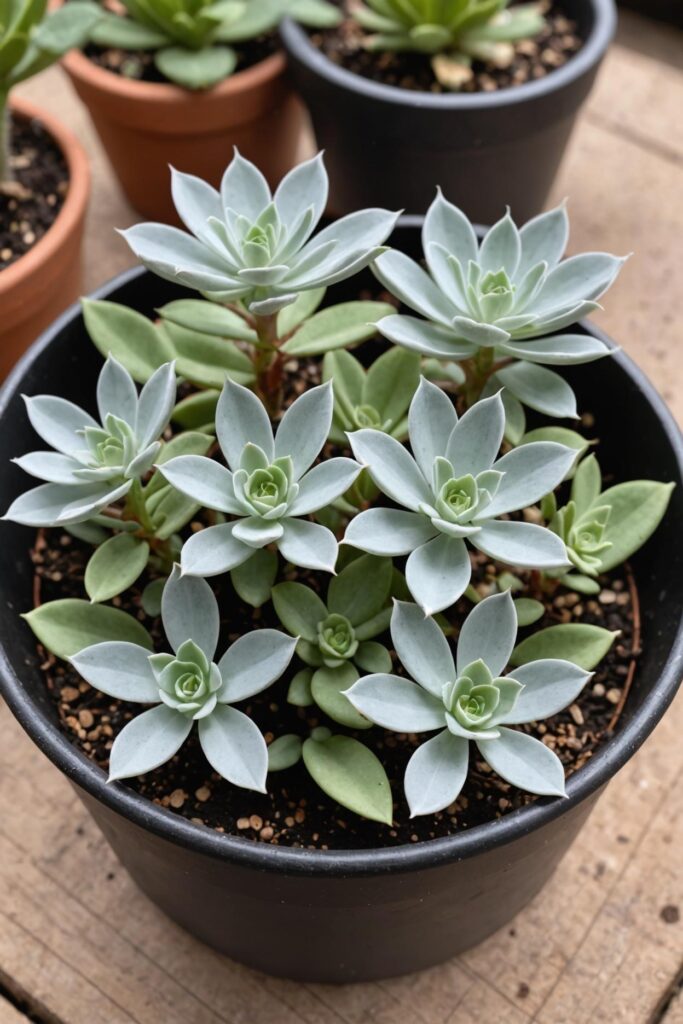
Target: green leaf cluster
{"type": "Point", "coordinates": [453, 32]}
{"type": "Point", "coordinates": [194, 40]}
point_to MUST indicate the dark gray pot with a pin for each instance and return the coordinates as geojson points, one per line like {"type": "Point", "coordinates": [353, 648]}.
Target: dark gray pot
{"type": "Point", "coordinates": [386, 146]}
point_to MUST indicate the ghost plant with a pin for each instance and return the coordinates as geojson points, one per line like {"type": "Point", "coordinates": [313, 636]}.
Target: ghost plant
{"type": "Point", "coordinates": [31, 39]}
{"type": "Point", "coordinates": [455, 488]}
{"type": "Point", "coordinates": [251, 252]}
{"type": "Point", "coordinates": [193, 40]}
{"type": "Point", "coordinates": [492, 305]}
{"type": "Point", "coordinates": [187, 686]}
{"type": "Point", "coordinates": [97, 465]}
{"type": "Point", "coordinates": [268, 486]}
{"type": "Point", "coordinates": [337, 635]}
{"type": "Point", "coordinates": [453, 32]}
{"type": "Point", "coordinates": [468, 699]}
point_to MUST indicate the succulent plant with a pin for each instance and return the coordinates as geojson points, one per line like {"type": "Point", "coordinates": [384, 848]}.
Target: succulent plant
{"type": "Point", "coordinates": [493, 305]}
{"type": "Point", "coordinates": [248, 245]}
{"type": "Point", "coordinates": [94, 464]}
{"type": "Point", "coordinates": [336, 635]}
{"type": "Point", "coordinates": [252, 251]}
{"type": "Point", "coordinates": [454, 487]}
{"type": "Point", "coordinates": [468, 699]}
{"type": "Point", "coordinates": [454, 32]}
{"type": "Point", "coordinates": [187, 686]}
{"type": "Point", "coordinates": [191, 39]}
{"type": "Point", "coordinates": [602, 529]}
{"type": "Point", "coordinates": [30, 41]}
{"type": "Point", "coordinates": [269, 486]}
{"type": "Point", "coordinates": [377, 397]}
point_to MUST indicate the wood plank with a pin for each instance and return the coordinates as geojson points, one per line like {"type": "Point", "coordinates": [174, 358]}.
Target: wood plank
{"type": "Point", "coordinates": [10, 1015]}
{"type": "Point", "coordinates": [635, 944]}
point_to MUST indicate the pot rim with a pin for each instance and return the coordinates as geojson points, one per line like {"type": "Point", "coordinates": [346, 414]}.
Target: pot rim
{"type": "Point", "coordinates": [76, 200]}
{"type": "Point", "coordinates": [164, 93]}
{"type": "Point", "coordinates": [297, 44]}
{"type": "Point", "coordinates": [611, 756]}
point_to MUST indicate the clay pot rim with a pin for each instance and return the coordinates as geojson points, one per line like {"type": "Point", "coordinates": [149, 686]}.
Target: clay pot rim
{"type": "Point", "coordinates": [76, 197]}
{"type": "Point", "coordinates": [600, 769]}
{"type": "Point", "coordinates": [82, 68]}
{"type": "Point", "coordinates": [300, 48]}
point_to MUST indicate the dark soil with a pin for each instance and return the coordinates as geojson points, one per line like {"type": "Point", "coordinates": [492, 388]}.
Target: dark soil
{"type": "Point", "coordinates": [139, 64]}
{"type": "Point", "coordinates": [534, 58]}
{"type": "Point", "coordinates": [30, 202]}
{"type": "Point", "coordinates": [295, 812]}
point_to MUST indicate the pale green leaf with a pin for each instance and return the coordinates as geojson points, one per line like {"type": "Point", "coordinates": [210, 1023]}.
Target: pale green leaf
{"type": "Point", "coordinates": [65, 627]}
{"type": "Point", "coordinates": [114, 566]}
{"type": "Point", "coordinates": [581, 643]}
{"type": "Point", "coordinates": [350, 774]}
{"type": "Point", "coordinates": [128, 336]}
{"type": "Point", "coordinates": [337, 327]}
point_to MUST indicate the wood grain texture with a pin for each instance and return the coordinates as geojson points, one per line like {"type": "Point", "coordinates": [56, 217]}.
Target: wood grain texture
{"type": "Point", "coordinates": [603, 944]}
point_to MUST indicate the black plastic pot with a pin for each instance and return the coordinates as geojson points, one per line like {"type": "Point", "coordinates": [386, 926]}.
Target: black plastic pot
{"type": "Point", "coordinates": [344, 916]}
{"type": "Point", "coordinates": [386, 146]}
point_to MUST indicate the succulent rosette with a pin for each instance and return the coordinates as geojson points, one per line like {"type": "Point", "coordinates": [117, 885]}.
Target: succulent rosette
{"type": "Point", "coordinates": [246, 244]}
{"type": "Point", "coordinates": [93, 464]}
{"type": "Point", "coordinates": [506, 295]}
{"type": "Point", "coordinates": [454, 488]}
{"type": "Point", "coordinates": [467, 699]}
{"type": "Point", "coordinates": [187, 686]}
{"type": "Point", "coordinates": [268, 484]}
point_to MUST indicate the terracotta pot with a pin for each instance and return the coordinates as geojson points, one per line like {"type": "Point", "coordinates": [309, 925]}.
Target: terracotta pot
{"type": "Point", "coordinates": [47, 279]}
{"type": "Point", "coordinates": [145, 126]}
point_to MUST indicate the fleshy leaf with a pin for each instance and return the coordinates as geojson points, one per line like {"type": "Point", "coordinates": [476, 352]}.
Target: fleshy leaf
{"type": "Point", "coordinates": [114, 566]}
{"type": "Point", "coordinates": [436, 773]}
{"type": "Point", "coordinates": [327, 686]}
{"type": "Point", "coordinates": [66, 626]}
{"type": "Point", "coordinates": [581, 643]}
{"type": "Point", "coordinates": [350, 774]}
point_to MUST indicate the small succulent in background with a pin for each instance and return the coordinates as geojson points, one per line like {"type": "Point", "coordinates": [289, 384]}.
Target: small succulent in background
{"type": "Point", "coordinates": [336, 636]}
{"type": "Point", "coordinates": [188, 686]}
{"type": "Point", "coordinates": [454, 487]}
{"type": "Point", "coordinates": [192, 39]}
{"type": "Point", "coordinates": [491, 305]}
{"type": "Point", "coordinates": [32, 39]}
{"type": "Point", "coordinates": [269, 486]}
{"type": "Point", "coordinates": [468, 699]}
{"type": "Point", "coordinates": [253, 251]}
{"type": "Point", "coordinates": [602, 529]}
{"type": "Point", "coordinates": [453, 32]}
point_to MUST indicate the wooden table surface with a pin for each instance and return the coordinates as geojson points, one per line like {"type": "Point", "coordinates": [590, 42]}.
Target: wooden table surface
{"type": "Point", "coordinates": [603, 943]}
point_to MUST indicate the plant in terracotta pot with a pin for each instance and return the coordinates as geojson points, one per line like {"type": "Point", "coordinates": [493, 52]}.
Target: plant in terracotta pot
{"type": "Point", "coordinates": [183, 85]}
{"type": "Point", "coordinates": [407, 694]}
{"type": "Point", "coordinates": [44, 182]}
{"type": "Point", "coordinates": [478, 96]}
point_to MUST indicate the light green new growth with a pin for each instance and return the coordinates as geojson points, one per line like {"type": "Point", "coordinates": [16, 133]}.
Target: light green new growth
{"type": "Point", "coordinates": [453, 32]}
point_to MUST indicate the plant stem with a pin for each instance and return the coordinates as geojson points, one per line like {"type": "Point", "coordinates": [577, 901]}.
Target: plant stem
{"type": "Point", "coordinates": [268, 363]}
{"type": "Point", "coordinates": [135, 508]}
{"type": "Point", "coordinates": [5, 139]}
{"type": "Point", "coordinates": [478, 369]}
